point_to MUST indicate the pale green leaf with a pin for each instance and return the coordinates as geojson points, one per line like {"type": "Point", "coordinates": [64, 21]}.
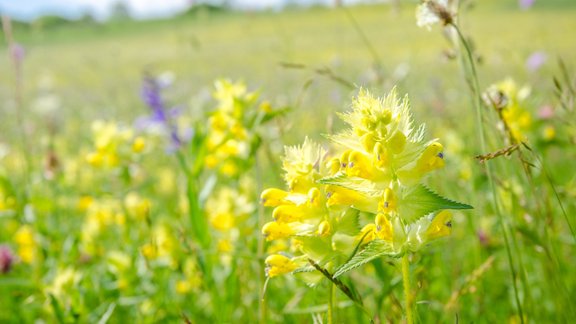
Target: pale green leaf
{"type": "Point", "coordinates": [348, 223]}
{"type": "Point", "coordinates": [358, 184]}
{"type": "Point", "coordinates": [419, 201]}
{"type": "Point", "coordinates": [372, 250]}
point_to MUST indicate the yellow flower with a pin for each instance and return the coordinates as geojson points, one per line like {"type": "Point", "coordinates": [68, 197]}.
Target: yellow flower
{"type": "Point", "coordinates": [278, 264]}
{"type": "Point", "coordinates": [507, 99]}
{"type": "Point", "coordinates": [27, 244]}
{"type": "Point", "coordinates": [441, 225]}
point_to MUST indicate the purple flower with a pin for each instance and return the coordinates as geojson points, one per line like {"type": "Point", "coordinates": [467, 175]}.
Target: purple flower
{"type": "Point", "coordinates": [535, 61]}
{"type": "Point", "coordinates": [17, 51]}
{"type": "Point", "coordinates": [6, 259]}
{"type": "Point", "coordinates": [526, 4]}
{"type": "Point", "coordinates": [546, 112]}
{"type": "Point", "coordinates": [161, 116]}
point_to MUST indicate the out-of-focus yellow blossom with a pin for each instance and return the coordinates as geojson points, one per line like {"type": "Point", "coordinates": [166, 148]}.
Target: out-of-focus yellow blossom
{"type": "Point", "coordinates": [192, 278]}
{"type": "Point", "coordinates": [227, 210]}
{"type": "Point", "coordinates": [162, 246]}
{"type": "Point", "coordinates": [65, 281]}
{"type": "Point", "coordinates": [100, 215]}
{"type": "Point", "coordinates": [166, 181]}
{"type": "Point", "coordinates": [137, 206]}
{"type": "Point", "coordinates": [84, 202]}
{"type": "Point", "coordinates": [27, 243]}
{"type": "Point", "coordinates": [508, 99]}
{"type": "Point", "coordinates": [549, 133]}
{"type": "Point", "coordinates": [119, 263]}
{"type": "Point", "coordinates": [113, 145]}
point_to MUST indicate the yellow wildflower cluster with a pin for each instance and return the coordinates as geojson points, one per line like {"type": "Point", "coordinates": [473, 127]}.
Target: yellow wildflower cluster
{"type": "Point", "coordinates": [101, 215]}
{"type": "Point", "coordinates": [227, 210]}
{"type": "Point", "coordinates": [231, 134]}
{"type": "Point", "coordinates": [377, 169]}
{"type": "Point", "coordinates": [508, 99]}
{"type": "Point", "coordinates": [162, 247]}
{"type": "Point", "coordinates": [113, 145]}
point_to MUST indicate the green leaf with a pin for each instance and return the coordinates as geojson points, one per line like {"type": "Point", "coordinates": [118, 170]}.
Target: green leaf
{"type": "Point", "coordinates": [419, 201]}
{"type": "Point", "coordinates": [372, 250]}
{"type": "Point", "coordinates": [358, 184]}
{"type": "Point", "coordinates": [348, 223]}
{"type": "Point", "coordinates": [317, 248]}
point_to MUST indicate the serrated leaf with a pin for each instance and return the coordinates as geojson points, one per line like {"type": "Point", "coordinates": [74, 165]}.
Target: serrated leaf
{"type": "Point", "coordinates": [358, 184]}
{"type": "Point", "coordinates": [372, 250]}
{"type": "Point", "coordinates": [419, 201]}
{"type": "Point", "coordinates": [307, 268]}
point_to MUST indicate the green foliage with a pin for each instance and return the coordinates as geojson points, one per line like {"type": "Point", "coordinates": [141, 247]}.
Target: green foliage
{"type": "Point", "coordinates": [418, 201]}
{"type": "Point", "coordinates": [373, 250]}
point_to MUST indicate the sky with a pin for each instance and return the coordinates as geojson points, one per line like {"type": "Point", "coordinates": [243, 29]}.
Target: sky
{"type": "Point", "coordinates": [140, 9]}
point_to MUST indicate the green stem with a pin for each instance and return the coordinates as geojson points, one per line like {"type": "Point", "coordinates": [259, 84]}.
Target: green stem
{"type": "Point", "coordinates": [330, 303]}
{"type": "Point", "coordinates": [407, 294]}
{"type": "Point", "coordinates": [260, 249]}
{"type": "Point", "coordinates": [340, 285]}
{"type": "Point", "coordinates": [475, 88]}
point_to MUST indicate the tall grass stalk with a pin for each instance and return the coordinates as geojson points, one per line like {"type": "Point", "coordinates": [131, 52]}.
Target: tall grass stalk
{"type": "Point", "coordinates": [472, 77]}
{"type": "Point", "coordinates": [407, 292]}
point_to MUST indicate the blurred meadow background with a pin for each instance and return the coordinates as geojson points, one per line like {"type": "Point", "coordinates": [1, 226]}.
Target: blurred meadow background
{"type": "Point", "coordinates": [110, 212]}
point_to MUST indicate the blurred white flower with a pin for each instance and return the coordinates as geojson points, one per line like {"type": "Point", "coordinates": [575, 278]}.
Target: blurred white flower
{"type": "Point", "coordinates": [431, 12]}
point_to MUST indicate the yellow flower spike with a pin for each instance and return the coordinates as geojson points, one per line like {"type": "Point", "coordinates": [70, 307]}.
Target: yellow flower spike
{"type": "Point", "coordinates": [324, 229]}
{"type": "Point", "coordinates": [441, 225]}
{"type": "Point", "coordinates": [274, 230]}
{"type": "Point", "coordinates": [432, 158]}
{"type": "Point", "coordinates": [383, 227]}
{"type": "Point", "coordinates": [314, 197]}
{"type": "Point", "coordinates": [397, 142]}
{"type": "Point", "coordinates": [388, 203]}
{"type": "Point", "coordinates": [359, 165]}
{"type": "Point", "coordinates": [274, 197]}
{"type": "Point", "coordinates": [278, 264]}
{"type": "Point", "coordinates": [139, 144]}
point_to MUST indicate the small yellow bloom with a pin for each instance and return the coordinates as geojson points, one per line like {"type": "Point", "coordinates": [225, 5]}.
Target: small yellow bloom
{"type": "Point", "coordinates": [440, 226]}
{"type": "Point", "coordinates": [274, 230]}
{"type": "Point", "coordinates": [139, 144]}
{"type": "Point", "coordinates": [149, 251]}
{"type": "Point", "coordinates": [278, 264]}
